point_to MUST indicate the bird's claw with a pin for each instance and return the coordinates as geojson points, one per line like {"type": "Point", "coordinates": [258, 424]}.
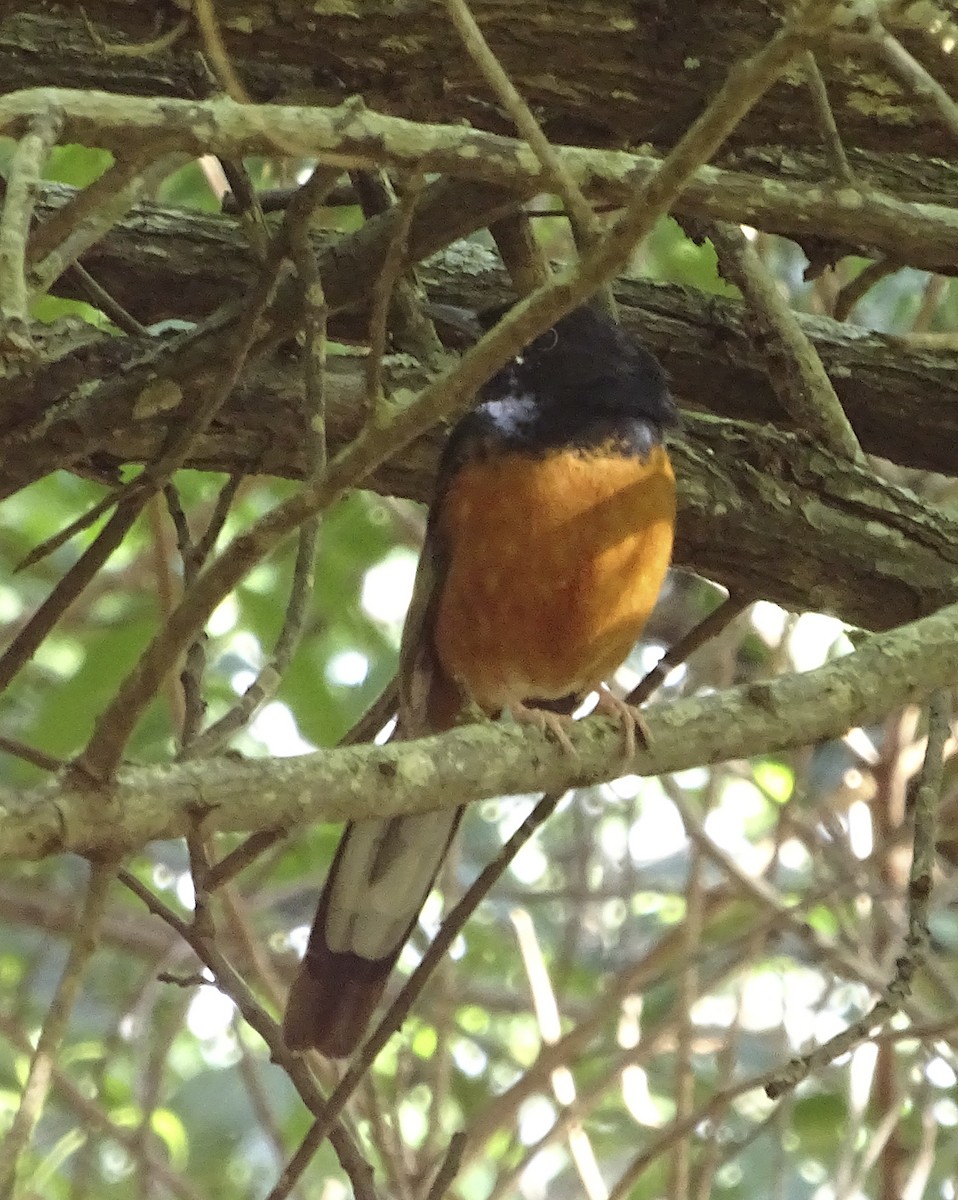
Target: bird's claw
{"type": "Point", "coordinates": [630, 719]}
{"type": "Point", "coordinates": [546, 722]}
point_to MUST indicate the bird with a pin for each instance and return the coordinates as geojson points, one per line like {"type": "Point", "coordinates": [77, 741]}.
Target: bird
{"type": "Point", "coordinates": [546, 547]}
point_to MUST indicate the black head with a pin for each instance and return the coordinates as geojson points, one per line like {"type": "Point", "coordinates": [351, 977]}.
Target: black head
{"type": "Point", "coordinates": [585, 359]}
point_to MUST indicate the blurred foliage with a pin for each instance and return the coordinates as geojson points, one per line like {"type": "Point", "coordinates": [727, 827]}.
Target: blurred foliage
{"type": "Point", "coordinates": [713, 973]}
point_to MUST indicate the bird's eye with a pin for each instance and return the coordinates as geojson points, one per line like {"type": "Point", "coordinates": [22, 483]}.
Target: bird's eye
{"type": "Point", "coordinates": [548, 341]}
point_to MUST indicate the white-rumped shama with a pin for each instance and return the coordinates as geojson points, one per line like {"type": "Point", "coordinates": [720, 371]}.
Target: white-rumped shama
{"type": "Point", "coordinates": [546, 547]}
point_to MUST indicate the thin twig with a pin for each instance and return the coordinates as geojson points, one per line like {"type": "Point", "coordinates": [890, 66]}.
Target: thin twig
{"type": "Point", "coordinates": [247, 204]}
{"type": "Point", "coordinates": [105, 747]}
{"type": "Point", "coordinates": [158, 45]}
{"type": "Point", "coordinates": [19, 201]}
{"type": "Point", "coordinates": [410, 325]}
{"type": "Point", "coordinates": [296, 232]}
{"type": "Point", "coordinates": [864, 281]}
{"type": "Point", "coordinates": [546, 1011]}
{"type": "Point", "coordinates": [826, 118]}
{"type": "Point", "coordinates": [581, 216]}
{"type": "Point", "coordinates": [93, 212]}
{"type": "Point", "coordinates": [224, 501]}
{"type": "Point", "coordinates": [168, 592]}
{"type": "Point", "coordinates": [519, 250]}
{"type": "Point", "coordinates": [84, 521]}
{"type": "Point", "coordinates": [71, 585]}
{"type": "Point", "coordinates": [712, 625]}
{"type": "Point", "coordinates": [688, 991]}
{"type": "Point", "coordinates": [194, 666]}
{"type": "Point", "coordinates": [228, 981]}
{"type": "Point", "coordinates": [399, 1009]}
{"type": "Point", "coordinates": [269, 678]}
{"type": "Point", "coordinates": [86, 206]}
{"type": "Point", "coordinates": [911, 72]}
{"type": "Point", "coordinates": [448, 1168]}
{"type": "Point", "coordinates": [216, 50]}
{"type": "Point", "coordinates": [100, 298]}
{"type": "Point", "coordinates": [382, 295]}
{"type": "Point", "coordinates": [37, 1083]}
{"type": "Point", "coordinates": [30, 754]}
{"type": "Point", "coordinates": [897, 991]}
{"type": "Point", "coordinates": [794, 368]}
{"type": "Point", "coordinates": [585, 227]}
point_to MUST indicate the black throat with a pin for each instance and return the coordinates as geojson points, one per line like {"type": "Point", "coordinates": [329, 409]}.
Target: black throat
{"type": "Point", "coordinates": [582, 385]}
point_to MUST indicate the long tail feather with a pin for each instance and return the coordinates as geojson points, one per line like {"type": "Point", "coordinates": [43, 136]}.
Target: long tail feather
{"type": "Point", "coordinates": [378, 882]}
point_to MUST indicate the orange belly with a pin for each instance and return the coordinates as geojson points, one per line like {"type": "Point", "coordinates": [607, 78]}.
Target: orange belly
{"type": "Point", "coordinates": [556, 564]}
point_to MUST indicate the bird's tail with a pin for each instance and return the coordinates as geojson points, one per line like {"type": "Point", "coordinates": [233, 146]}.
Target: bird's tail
{"type": "Point", "coordinates": [378, 882]}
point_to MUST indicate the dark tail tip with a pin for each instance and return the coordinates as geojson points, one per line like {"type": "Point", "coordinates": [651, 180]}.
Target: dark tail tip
{"type": "Point", "coordinates": [331, 1002]}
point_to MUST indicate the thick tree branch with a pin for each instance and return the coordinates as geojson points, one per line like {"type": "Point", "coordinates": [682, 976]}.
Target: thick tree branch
{"type": "Point", "coordinates": [350, 136]}
{"type": "Point", "coordinates": [654, 66]}
{"type": "Point", "coordinates": [478, 761]}
{"type": "Point", "coordinates": [158, 261]}
{"type": "Point", "coordinates": [763, 511]}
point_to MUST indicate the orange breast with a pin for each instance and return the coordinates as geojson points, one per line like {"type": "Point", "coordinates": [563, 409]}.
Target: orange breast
{"type": "Point", "coordinates": [555, 564]}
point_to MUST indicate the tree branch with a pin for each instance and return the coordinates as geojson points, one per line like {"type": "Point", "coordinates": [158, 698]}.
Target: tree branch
{"type": "Point", "coordinates": [867, 220]}
{"type": "Point", "coordinates": [477, 761]}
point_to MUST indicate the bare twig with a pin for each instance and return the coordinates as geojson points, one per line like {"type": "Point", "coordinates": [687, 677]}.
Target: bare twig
{"type": "Point", "coordinates": [158, 45]}
{"type": "Point", "coordinates": [581, 216]}
{"type": "Point", "coordinates": [270, 677]}
{"type": "Point", "coordinates": [911, 72]}
{"type": "Point", "coordinates": [585, 227]}
{"type": "Point", "coordinates": [688, 991]}
{"type": "Point", "coordinates": [863, 282]}
{"type": "Point", "coordinates": [920, 879]}
{"type": "Point", "coordinates": [520, 251]}
{"type": "Point", "coordinates": [105, 747]}
{"type": "Point", "coordinates": [247, 203]}
{"type": "Point", "coordinates": [228, 980]}
{"type": "Point", "coordinates": [400, 1007]}
{"type": "Point", "coordinates": [546, 1011]}
{"type": "Point", "coordinates": [100, 298]}
{"type": "Point", "coordinates": [448, 1168]}
{"type": "Point", "coordinates": [71, 584]}
{"type": "Point", "coordinates": [382, 296]}
{"type": "Point", "coordinates": [717, 620]}
{"type": "Point", "coordinates": [30, 754]}
{"type": "Point", "coordinates": [84, 521]}
{"type": "Point", "coordinates": [18, 205]}
{"type": "Point", "coordinates": [295, 233]}
{"type": "Point", "coordinates": [168, 590]}
{"type": "Point", "coordinates": [794, 368]}
{"type": "Point", "coordinates": [98, 206]}
{"type": "Point", "coordinates": [54, 1028]}
{"type": "Point", "coordinates": [224, 500]}
{"type": "Point", "coordinates": [410, 325]}
{"type": "Point", "coordinates": [96, 209]}
{"type": "Point", "coordinates": [216, 50]}
{"type": "Point", "coordinates": [826, 118]}
{"type": "Point", "coordinates": [315, 314]}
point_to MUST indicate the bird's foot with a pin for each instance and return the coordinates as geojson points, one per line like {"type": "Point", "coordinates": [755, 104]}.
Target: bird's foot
{"type": "Point", "coordinates": [630, 719]}
{"type": "Point", "coordinates": [547, 722]}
